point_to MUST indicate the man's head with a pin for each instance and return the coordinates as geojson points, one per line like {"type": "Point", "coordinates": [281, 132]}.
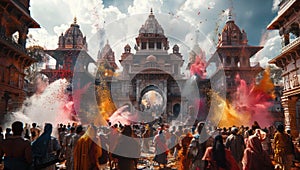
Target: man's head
{"type": "Point", "coordinates": [34, 125]}
{"type": "Point", "coordinates": [234, 130]}
{"type": "Point", "coordinates": [17, 128]}
{"type": "Point", "coordinates": [280, 128]}
{"type": "Point", "coordinates": [79, 129]}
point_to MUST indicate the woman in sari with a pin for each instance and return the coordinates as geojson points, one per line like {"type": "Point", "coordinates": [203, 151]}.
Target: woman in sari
{"type": "Point", "coordinates": [45, 150]}
{"type": "Point", "coordinates": [161, 149]}
{"type": "Point", "coordinates": [255, 158]}
{"type": "Point", "coordinates": [218, 157]}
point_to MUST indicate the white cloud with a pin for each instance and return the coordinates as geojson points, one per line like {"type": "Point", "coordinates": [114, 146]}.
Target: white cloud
{"type": "Point", "coordinates": [140, 7]}
{"type": "Point", "coordinates": [180, 24]}
{"type": "Point", "coordinates": [60, 29]}
{"type": "Point", "coordinates": [275, 5]}
{"type": "Point", "coordinates": [42, 38]}
{"type": "Point", "coordinates": [272, 47]}
{"type": "Point", "coordinates": [249, 14]}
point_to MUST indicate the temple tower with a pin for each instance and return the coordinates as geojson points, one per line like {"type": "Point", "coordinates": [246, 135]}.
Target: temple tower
{"type": "Point", "coordinates": [232, 58]}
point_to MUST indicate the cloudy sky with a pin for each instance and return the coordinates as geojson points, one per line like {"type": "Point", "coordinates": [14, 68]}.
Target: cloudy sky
{"type": "Point", "coordinates": [185, 22]}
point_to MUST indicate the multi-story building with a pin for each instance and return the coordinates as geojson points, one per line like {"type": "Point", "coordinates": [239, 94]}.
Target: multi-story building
{"type": "Point", "coordinates": [15, 20]}
{"type": "Point", "coordinates": [287, 22]}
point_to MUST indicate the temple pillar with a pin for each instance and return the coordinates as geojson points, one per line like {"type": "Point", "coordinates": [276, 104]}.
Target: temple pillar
{"type": "Point", "coordinates": [147, 45]}
{"type": "Point", "coordinates": [289, 105]}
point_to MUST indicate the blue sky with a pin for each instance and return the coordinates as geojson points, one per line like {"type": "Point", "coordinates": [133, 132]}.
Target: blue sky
{"type": "Point", "coordinates": [182, 20]}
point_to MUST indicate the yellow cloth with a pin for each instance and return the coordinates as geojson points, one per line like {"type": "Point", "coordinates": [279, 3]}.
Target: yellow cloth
{"type": "Point", "coordinates": [87, 152]}
{"type": "Point", "coordinates": [280, 140]}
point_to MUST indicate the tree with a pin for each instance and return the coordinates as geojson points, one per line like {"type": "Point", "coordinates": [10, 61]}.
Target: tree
{"type": "Point", "coordinates": [36, 52]}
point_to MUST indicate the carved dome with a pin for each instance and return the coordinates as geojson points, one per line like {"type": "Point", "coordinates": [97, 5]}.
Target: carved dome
{"type": "Point", "coordinates": [175, 49]}
{"type": "Point", "coordinates": [231, 27]}
{"type": "Point", "coordinates": [73, 38]}
{"type": "Point", "coordinates": [151, 58]}
{"type": "Point", "coordinates": [231, 33]}
{"type": "Point", "coordinates": [151, 26]}
{"type": "Point", "coordinates": [73, 31]}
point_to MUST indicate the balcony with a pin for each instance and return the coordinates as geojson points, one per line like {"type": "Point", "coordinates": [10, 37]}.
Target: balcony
{"type": "Point", "coordinates": [11, 43]}
{"type": "Point", "coordinates": [291, 45]}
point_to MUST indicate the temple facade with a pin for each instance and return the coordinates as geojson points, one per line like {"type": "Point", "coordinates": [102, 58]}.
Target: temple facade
{"type": "Point", "coordinates": [15, 20]}
{"type": "Point", "coordinates": [232, 58]}
{"type": "Point", "coordinates": [150, 70]}
{"type": "Point", "coordinates": [287, 22]}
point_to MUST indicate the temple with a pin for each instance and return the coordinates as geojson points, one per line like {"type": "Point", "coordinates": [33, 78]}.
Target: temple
{"type": "Point", "coordinates": [151, 68]}
{"type": "Point", "coordinates": [71, 56]}
{"type": "Point", "coordinates": [232, 58]}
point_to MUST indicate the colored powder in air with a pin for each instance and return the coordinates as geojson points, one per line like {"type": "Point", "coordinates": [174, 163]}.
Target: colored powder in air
{"type": "Point", "coordinates": [250, 103]}
{"type": "Point", "coordinates": [199, 67]}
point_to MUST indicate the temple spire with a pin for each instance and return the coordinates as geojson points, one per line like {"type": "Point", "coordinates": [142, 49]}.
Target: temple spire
{"type": "Point", "coordinates": [229, 17]}
{"type": "Point", "coordinates": [151, 11]}
{"type": "Point", "coordinates": [75, 20]}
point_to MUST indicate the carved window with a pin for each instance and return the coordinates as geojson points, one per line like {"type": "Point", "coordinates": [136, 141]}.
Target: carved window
{"type": "Point", "coordinates": [144, 45]}
{"type": "Point", "coordinates": [14, 76]}
{"type": "Point", "coordinates": [176, 69]}
{"type": "Point", "coordinates": [158, 45]}
{"type": "Point", "coordinates": [151, 45]}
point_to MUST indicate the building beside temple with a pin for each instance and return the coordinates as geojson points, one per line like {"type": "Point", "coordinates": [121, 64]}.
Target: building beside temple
{"type": "Point", "coordinates": [287, 22]}
{"type": "Point", "coordinates": [153, 71]}
{"type": "Point", "coordinates": [72, 59]}
{"type": "Point", "coordinates": [232, 58]}
{"type": "Point", "coordinates": [15, 20]}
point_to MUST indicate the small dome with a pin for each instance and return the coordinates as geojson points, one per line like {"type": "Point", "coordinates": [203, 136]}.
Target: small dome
{"type": "Point", "coordinates": [127, 46]}
{"type": "Point", "coordinates": [74, 30]}
{"type": "Point", "coordinates": [73, 38]}
{"type": "Point", "coordinates": [231, 34]}
{"type": "Point", "coordinates": [175, 48]}
{"type": "Point", "coordinates": [231, 27]}
{"type": "Point", "coordinates": [151, 58]}
{"type": "Point", "coordinates": [151, 26]}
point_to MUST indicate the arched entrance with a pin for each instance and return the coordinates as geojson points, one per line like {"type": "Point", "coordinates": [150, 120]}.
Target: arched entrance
{"type": "Point", "coordinates": [152, 100]}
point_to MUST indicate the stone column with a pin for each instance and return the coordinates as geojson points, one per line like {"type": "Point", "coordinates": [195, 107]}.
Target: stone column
{"type": "Point", "coordinates": [289, 105]}
{"type": "Point", "coordinates": [147, 45]}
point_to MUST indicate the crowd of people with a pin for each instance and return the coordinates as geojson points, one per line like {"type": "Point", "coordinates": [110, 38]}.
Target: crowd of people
{"type": "Point", "coordinates": [196, 147]}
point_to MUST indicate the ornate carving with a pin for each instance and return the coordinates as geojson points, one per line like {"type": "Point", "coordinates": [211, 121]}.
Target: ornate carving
{"type": "Point", "coordinates": [295, 81]}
